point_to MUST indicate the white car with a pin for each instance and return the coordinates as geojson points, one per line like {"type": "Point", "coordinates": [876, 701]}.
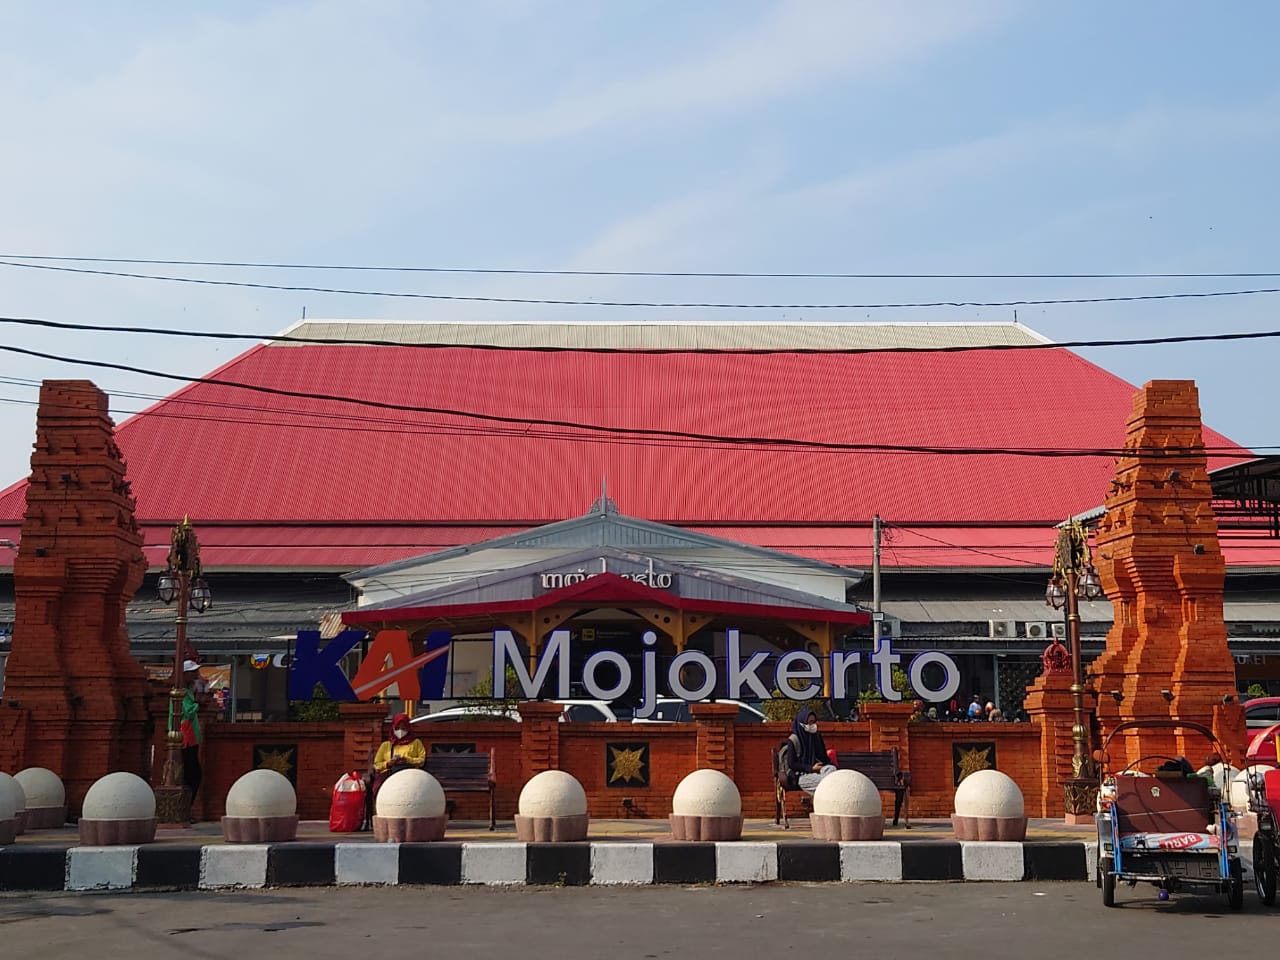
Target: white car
{"type": "Point", "coordinates": [677, 711]}
{"type": "Point", "coordinates": [575, 711]}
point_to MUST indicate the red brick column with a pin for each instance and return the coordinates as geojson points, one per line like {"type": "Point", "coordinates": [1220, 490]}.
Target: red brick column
{"type": "Point", "coordinates": [1049, 704]}
{"type": "Point", "coordinates": [715, 736]}
{"type": "Point", "coordinates": [79, 563]}
{"type": "Point", "coordinates": [1161, 566]}
{"type": "Point", "coordinates": [890, 726]}
{"type": "Point", "coordinates": [362, 734]}
{"type": "Point", "coordinates": [540, 736]}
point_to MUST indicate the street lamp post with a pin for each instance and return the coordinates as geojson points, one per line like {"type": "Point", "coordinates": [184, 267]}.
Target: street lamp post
{"type": "Point", "coordinates": [1074, 578]}
{"type": "Point", "coordinates": [181, 582]}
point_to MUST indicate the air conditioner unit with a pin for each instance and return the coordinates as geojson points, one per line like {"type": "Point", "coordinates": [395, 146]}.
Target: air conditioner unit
{"type": "Point", "coordinates": [1003, 628]}
{"type": "Point", "coordinates": [1036, 629]}
{"type": "Point", "coordinates": [1059, 630]}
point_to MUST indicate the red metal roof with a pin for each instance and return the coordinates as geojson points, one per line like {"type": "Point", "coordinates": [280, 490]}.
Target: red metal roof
{"type": "Point", "coordinates": [285, 481]}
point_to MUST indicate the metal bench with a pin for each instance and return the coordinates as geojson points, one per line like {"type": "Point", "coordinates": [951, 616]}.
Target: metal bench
{"type": "Point", "coordinates": [879, 766]}
{"type": "Point", "coordinates": [465, 773]}
{"type": "Point", "coordinates": [882, 768]}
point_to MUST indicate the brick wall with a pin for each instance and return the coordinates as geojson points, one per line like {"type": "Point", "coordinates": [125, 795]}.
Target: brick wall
{"type": "Point", "coordinates": [582, 749]}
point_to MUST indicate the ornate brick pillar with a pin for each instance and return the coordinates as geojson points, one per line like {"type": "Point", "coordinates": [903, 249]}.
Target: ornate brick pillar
{"type": "Point", "coordinates": [1049, 704]}
{"type": "Point", "coordinates": [540, 736]}
{"type": "Point", "coordinates": [715, 735]}
{"type": "Point", "coordinates": [1161, 566]}
{"type": "Point", "coordinates": [79, 564]}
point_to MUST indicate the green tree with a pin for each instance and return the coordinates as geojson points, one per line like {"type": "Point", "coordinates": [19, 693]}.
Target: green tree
{"type": "Point", "coordinates": [481, 697]}
{"type": "Point", "coordinates": [901, 682]}
{"type": "Point", "coordinates": [1255, 690]}
{"type": "Point", "coordinates": [316, 710]}
{"type": "Point", "coordinates": [778, 707]}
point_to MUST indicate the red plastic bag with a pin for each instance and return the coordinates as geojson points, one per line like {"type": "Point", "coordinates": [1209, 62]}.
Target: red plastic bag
{"type": "Point", "coordinates": [346, 812]}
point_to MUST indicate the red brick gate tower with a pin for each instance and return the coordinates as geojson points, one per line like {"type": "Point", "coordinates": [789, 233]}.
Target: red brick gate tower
{"type": "Point", "coordinates": [1160, 563]}
{"type": "Point", "coordinates": [75, 698]}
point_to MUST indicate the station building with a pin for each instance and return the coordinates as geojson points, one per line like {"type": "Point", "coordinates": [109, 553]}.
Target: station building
{"type": "Point", "coordinates": [349, 467]}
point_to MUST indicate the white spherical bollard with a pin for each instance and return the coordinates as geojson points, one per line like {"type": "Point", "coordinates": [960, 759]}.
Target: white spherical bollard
{"type": "Point", "coordinates": [989, 806]}
{"type": "Point", "coordinates": [410, 808]}
{"type": "Point", "coordinates": [261, 807]}
{"type": "Point", "coordinates": [707, 793]}
{"type": "Point", "coordinates": [119, 808]}
{"type": "Point", "coordinates": [706, 806]}
{"type": "Point", "coordinates": [17, 799]}
{"type": "Point", "coordinates": [846, 806]}
{"type": "Point", "coordinates": [552, 809]}
{"type": "Point", "coordinates": [46, 798]}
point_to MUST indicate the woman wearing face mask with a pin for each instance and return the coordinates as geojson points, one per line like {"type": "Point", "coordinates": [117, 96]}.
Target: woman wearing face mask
{"type": "Point", "coordinates": [403, 750]}
{"type": "Point", "coordinates": [807, 759]}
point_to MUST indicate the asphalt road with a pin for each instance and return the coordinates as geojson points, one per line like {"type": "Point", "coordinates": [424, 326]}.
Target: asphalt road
{"type": "Point", "coordinates": [1043, 921]}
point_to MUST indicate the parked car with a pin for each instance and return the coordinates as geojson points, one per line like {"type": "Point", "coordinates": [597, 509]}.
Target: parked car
{"type": "Point", "coordinates": [575, 711]}
{"type": "Point", "coordinates": [677, 711]}
{"type": "Point", "coordinates": [470, 712]}
{"type": "Point", "coordinates": [1262, 711]}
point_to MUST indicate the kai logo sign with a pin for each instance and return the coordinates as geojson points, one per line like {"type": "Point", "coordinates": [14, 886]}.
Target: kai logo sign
{"type": "Point", "coordinates": [390, 660]}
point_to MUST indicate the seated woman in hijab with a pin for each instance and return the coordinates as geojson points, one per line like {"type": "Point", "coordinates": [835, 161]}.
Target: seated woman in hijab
{"type": "Point", "coordinates": [402, 751]}
{"type": "Point", "coordinates": [806, 761]}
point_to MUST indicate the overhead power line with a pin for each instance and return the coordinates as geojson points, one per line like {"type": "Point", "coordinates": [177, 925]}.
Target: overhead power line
{"type": "Point", "coordinates": [705, 274]}
{"type": "Point", "coordinates": [620, 431]}
{"type": "Point", "coordinates": [375, 342]}
{"type": "Point", "coordinates": [666, 305]}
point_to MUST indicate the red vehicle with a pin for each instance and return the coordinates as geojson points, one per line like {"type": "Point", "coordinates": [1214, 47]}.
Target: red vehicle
{"type": "Point", "coordinates": [1263, 745]}
{"type": "Point", "coordinates": [1261, 712]}
{"type": "Point", "coordinates": [1264, 801]}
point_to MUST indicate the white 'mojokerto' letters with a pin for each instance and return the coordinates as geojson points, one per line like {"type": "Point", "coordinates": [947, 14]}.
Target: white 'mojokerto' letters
{"type": "Point", "coordinates": [806, 667]}
{"type": "Point", "coordinates": [589, 675]}
{"type": "Point", "coordinates": [885, 659]}
{"type": "Point", "coordinates": [506, 652]}
{"type": "Point", "coordinates": [950, 676]}
{"type": "Point", "coordinates": [841, 661]}
{"type": "Point", "coordinates": [676, 684]}
{"type": "Point", "coordinates": [794, 665]}
{"type": "Point", "coordinates": [738, 671]}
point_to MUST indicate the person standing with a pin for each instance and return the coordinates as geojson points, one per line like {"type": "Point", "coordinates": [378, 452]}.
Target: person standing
{"type": "Point", "coordinates": [192, 735]}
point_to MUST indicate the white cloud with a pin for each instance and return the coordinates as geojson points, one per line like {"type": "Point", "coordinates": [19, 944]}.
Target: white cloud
{"type": "Point", "coordinates": [800, 44]}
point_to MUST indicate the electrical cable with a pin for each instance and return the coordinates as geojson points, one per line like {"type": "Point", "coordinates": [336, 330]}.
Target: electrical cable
{"type": "Point", "coordinates": [668, 305]}
{"type": "Point", "coordinates": [746, 351]}
{"type": "Point", "coordinates": [705, 274]}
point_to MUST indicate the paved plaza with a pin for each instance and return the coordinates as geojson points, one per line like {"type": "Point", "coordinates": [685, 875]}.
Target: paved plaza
{"type": "Point", "coordinates": [1054, 921]}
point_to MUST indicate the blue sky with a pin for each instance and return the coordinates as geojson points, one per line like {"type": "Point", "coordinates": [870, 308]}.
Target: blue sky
{"type": "Point", "coordinates": [905, 137]}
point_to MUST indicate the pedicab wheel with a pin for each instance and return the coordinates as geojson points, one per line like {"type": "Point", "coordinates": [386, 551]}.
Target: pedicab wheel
{"type": "Point", "coordinates": [1235, 887]}
{"type": "Point", "coordinates": [1107, 880]}
{"type": "Point", "coordinates": [1264, 868]}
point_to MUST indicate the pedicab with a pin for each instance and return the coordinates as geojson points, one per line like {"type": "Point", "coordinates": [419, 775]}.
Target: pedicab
{"type": "Point", "coordinates": [1161, 823]}
{"type": "Point", "coordinates": [1264, 802]}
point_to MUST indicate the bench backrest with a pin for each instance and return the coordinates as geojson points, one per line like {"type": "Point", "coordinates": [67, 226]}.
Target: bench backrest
{"type": "Point", "coordinates": [880, 766]}
{"type": "Point", "coordinates": [462, 771]}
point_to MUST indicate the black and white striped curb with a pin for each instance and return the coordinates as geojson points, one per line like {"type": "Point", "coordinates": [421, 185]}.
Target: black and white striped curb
{"type": "Point", "coordinates": [213, 867]}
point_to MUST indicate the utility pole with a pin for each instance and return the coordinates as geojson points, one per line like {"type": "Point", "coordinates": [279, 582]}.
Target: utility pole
{"type": "Point", "coordinates": [877, 615]}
